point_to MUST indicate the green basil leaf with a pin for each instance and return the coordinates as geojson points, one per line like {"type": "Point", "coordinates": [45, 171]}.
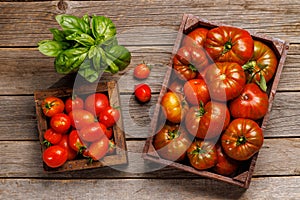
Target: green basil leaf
{"type": "Point", "coordinates": [92, 52]}
{"type": "Point", "coordinates": [88, 73]}
{"type": "Point", "coordinates": [86, 18]}
{"type": "Point", "coordinates": [51, 48]}
{"type": "Point", "coordinates": [102, 28]}
{"type": "Point", "coordinates": [82, 38]}
{"type": "Point", "coordinates": [109, 43]}
{"type": "Point", "coordinates": [72, 24]}
{"type": "Point", "coordinates": [97, 61]}
{"type": "Point", "coordinates": [120, 56]}
{"type": "Point", "coordinates": [58, 35]}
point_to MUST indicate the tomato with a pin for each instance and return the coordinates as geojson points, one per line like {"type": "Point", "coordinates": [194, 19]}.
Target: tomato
{"type": "Point", "coordinates": [176, 86]}
{"type": "Point", "coordinates": [81, 118]}
{"type": "Point", "coordinates": [229, 44]}
{"type": "Point", "coordinates": [171, 142]}
{"type": "Point", "coordinates": [92, 132]}
{"type": "Point", "coordinates": [75, 142]}
{"type": "Point", "coordinates": [195, 38]}
{"type": "Point", "coordinates": [64, 143]}
{"type": "Point", "coordinates": [96, 103]}
{"type": "Point", "coordinates": [111, 148]}
{"type": "Point", "coordinates": [55, 156]}
{"type": "Point", "coordinates": [60, 122]}
{"type": "Point", "coordinates": [51, 137]}
{"type": "Point", "coordinates": [109, 132]}
{"type": "Point", "coordinates": [263, 62]}
{"type": "Point", "coordinates": [98, 149]}
{"type": "Point", "coordinates": [225, 165]}
{"type": "Point", "coordinates": [225, 80]}
{"type": "Point", "coordinates": [208, 121]}
{"type": "Point", "coordinates": [142, 92]}
{"type": "Point", "coordinates": [73, 103]}
{"type": "Point", "coordinates": [242, 139]}
{"type": "Point", "coordinates": [141, 71]}
{"type": "Point", "coordinates": [174, 106]}
{"type": "Point", "coordinates": [252, 103]}
{"type": "Point", "coordinates": [188, 61]}
{"type": "Point", "coordinates": [196, 91]}
{"type": "Point", "coordinates": [202, 154]}
{"type": "Point", "coordinates": [52, 105]}
{"type": "Point", "coordinates": [109, 116]}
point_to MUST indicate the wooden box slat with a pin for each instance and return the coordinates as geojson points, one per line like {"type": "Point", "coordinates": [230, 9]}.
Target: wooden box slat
{"type": "Point", "coordinates": [243, 177]}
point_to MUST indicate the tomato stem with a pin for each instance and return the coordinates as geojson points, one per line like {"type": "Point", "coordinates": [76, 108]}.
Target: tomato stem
{"type": "Point", "coordinates": [241, 140]}
{"type": "Point", "coordinates": [192, 67]}
{"type": "Point", "coordinates": [199, 150]}
{"type": "Point", "coordinates": [173, 134]}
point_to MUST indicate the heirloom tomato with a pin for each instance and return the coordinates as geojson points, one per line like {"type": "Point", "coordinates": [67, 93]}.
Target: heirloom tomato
{"type": "Point", "coordinates": [51, 137]}
{"type": "Point", "coordinates": [174, 106]}
{"type": "Point", "coordinates": [73, 103]}
{"type": "Point", "coordinates": [196, 91]}
{"type": "Point", "coordinates": [252, 103]}
{"type": "Point", "coordinates": [225, 80]}
{"type": "Point", "coordinates": [171, 142]}
{"type": "Point", "coordinates": [52, 105]}
{"type": "Point", "coordinates": [202, 154]}
{"type": "Point", "coordinates": [60, 122]}
{"type": "Point", "coordinates": [207, 121]}
{"type": "Point", "coordinates": [55, 156]}
{"type": "Point", "coordinates": [142, 92]}
{"type": "Point", "coordinates": [96, 103]}
{"type": "Point", "coordinates": [229, 44]}
{"type": "Point", "coordinates": [176, 86]}
{"type": "Point", "coordinates": [225, 165]}
{"type": "Point", "coordinates": [81, 118]}
{"type": "Point", "coordinates": [263, 62]}
{"type": "Point", "coordinates": [64, 143]}
{"type": "Point", "coordinates": [195, 38]}
{"type": "Point", "coordinates": [92, 132]}
{"type": "Point", "coordinates": [109, 116]}
{"type": "Point", "coordinates": [98, 149]}
{"type": "Point", "coordinates": [188, 61]}
{"type": "Point", "coordinates": [242, 139]}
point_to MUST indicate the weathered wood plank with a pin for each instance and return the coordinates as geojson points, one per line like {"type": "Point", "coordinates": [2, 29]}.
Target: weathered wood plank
{"type": "Point", "coordinates": [23, 159]}
{"type": "Point", "coordinates": [149, 22]}
{"type": "Point", "coordinates": [167, 189]}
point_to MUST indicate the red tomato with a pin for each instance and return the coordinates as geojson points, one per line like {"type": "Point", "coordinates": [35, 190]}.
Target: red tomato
{"type": "Point", "coordinates": [196, 91]}
{"type": "Point", "coordinates": [195, 38]}
{"type": "Point", "coordinates": [109, 132]}
{"type": "Point", "coordinates": [242, 139]}
{"type": "Point", "coordinates": [109, 116]}
{"type": "Point", "coordinates": [55, 156]}
{"type": "Point", "coordinates": [73, 103]}
{"type": "Point", "coordinates": [207, 122]}
{"type": "Point", "coordinates": [60, 122]}
{"type": "Point", "coordinates": [112, 148]}
{"type": "Point", "coordinates": [92, 132]}
{"type": "Point", "coordinates": [174, 106]}
{"type": "Point", "coordinates": [171, 142]}
{"type": "Point", "coordinates": [81, 118]}
{"type": "Point", "coordinates": [202, 154]}
{"type": "Point", "coordinates": [225, 165]}
{"type": "Point", "coordinates": [51, 137]}
{"type": "Point", "coordinates": [52, 105]}
{"type": "Point", "coordinates": [142, 92]}
{"type": "Point", "coordinates": [64, 143]}
{"type": "Point", "coordinates": [141, 71]}
{"type": "Point", "coordinates": [98, 149]}
{"type": "Point", "coordinates": [75, 142]}
{"type": "Point", "coordinates": [176, 86]}
{"type": "Point", "coordinates": [252, 103]}
{"type": "Point", "coordinates": [225, 80]}
{"type": "Point", "coordinates": [229, 44]}
{"type": "Point", "coordinates": [96, 103]}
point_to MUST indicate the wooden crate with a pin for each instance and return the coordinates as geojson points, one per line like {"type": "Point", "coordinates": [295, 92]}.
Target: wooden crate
{"type": "Point", "coordinates": [108, 88]}
{"type": "Point", "coordinates": [243, 177]}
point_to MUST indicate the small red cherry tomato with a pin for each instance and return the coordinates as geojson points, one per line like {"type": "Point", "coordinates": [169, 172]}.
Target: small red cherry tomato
{"type": "Point", "coordinates": [109, 116]}
{"type": "Point", "coordinates": [55, 156]}
{"type": "Point", "coordinates": [96, 103]}
{"type": "Point", "coordinates": [73, 103]}
{"type": "Point", "coordinates": [142, 92]}
{"type": "Point", "coordinates": [51, 137]}
{"type": "Point", "coordinates": [141, 71]}
{"type": "Point", "coordinates": [92, 132]}
{"type": "Point", "coordinates": [60, 123]}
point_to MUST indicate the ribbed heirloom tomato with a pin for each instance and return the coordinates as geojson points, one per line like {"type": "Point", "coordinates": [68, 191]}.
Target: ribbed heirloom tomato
{"type": "Point", "coordinates": [195, 38]}
{"type": "Point", "coordinates": [196, 91]}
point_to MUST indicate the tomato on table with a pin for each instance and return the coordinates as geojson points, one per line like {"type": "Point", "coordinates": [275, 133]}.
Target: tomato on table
{"type": "Point", "coordinates": [142, 92]}
{"type": "Point", "coordinates": [73, 103]}
{"type": "Point", "coordinates": [96, 103]}
{"type": "Point", "coordinates": [81, 118]}
{"type": "Point", "coordinates": [196, 91]}
{"type": "Point", "coordinates": [195, 38]}
{"type": "Point", "coordinates": [141, 71]}
{"type": "Point", "coordinates": [60, 123]}
{"type": "Point", "coordinates": [51, 137]}
{"type": "Point", "coordinates": [242, 139]}
{"type": "Point", "coordinates": [55, 156]}
{"type": "Point", "coordinates": [52, 105]}
{"type": "Point", "coordinates": [109, 116]}
{"type": "Point", "coordinates": [98, 149]}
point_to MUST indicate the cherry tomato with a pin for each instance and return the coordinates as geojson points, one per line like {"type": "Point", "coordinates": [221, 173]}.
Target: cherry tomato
{"type": "Point", "coordinates": [142, 92]}
{"type": "Point", "coordinates": [109, 116]}
{"type": "Point", "coordinates": [141, 71]}
{"type": "Point", "coordinates": [55, 156]}
{"type": "Point", "coordinates": [73, 103]}
{"type": "Point", "coordinates": [75, 142]}
{"type": "Point", "coordinates": [51, 137]}
{"type": "Point", "coordinates": [92, 132]}
{"type": "Point", "coordinates": [60, 122]}
{"type": "Point", "coordinates": [81, 118]}
{"type": "Point", "coordinates": [96, 103]}
{"type": "Point", "coordinates": [52, 105]}
{"type": "Point", "coordinates": [64, 143]}
{"type": "Point", "coordinates": [98, 149]}
{"type": "Point", "coordinates": [196, 91]}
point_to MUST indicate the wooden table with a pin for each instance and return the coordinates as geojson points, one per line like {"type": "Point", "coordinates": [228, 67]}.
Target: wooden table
{"type": "Point", "coordinates": [148, 29]}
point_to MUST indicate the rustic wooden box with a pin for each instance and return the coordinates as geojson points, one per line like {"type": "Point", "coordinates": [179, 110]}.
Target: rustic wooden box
{"type": "Point", "coordinates": [243, 177]}
{"type": "Point", "coordinates": [109, 88]}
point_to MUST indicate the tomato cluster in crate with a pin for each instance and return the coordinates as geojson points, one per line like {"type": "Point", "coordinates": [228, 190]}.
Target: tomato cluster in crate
{"type": "Point", "coordinates": [215, 100]}
{"type": "Point", "coordinates": [78, 127]}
